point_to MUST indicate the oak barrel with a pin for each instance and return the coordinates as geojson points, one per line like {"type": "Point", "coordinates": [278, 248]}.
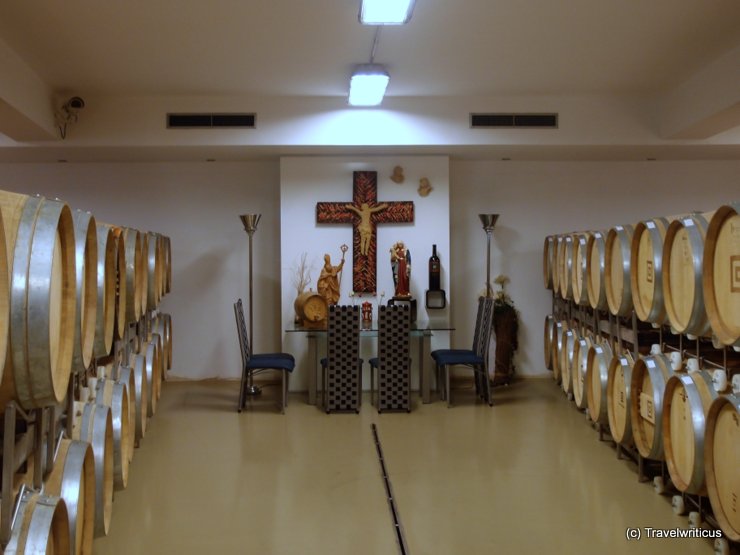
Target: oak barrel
{"type": "Point", "coordinates": [163, 326]}
{"type": "Point", "coordinates": [617, 270]}
{"type": "Point", "coordinates": [649, 377]}
{"type": "Point", "coordinates": [133, 272]}
{"type": "Point", "coordinates": [125, 376]}
{"type": "Point", "coordinates": [106, 291]}
{"type": "Point", "coordinates": [153, 367]}
{"type": "Point", "coordinates": [721, 456]}
{"type": "Point", "coordinates": [580, 367]}
{"type": "Point", "coordinates": [40, 240]}
{"type": "Point", "coordinates": [143, 273]}
{"type": "Point", "coordinates": [168, 263]}
{"type": "Point", "coordinates": [547, 261]}
{"type": "Point", "coordinates": [580, 268]}
{"type": "Point", "coordinates": [597, 379]}
{"type": "Point", "coordinates": [685, 407]}
{"type": "Point", "coordinates": [721, 273]}
{"type": "Point", "coordinates": [137, 364]}
{"type": "Point", "coordinates": [596, 266]}
{"type": "Point", "coordinates": [73, 479]}
{"type": "Point", "coordinates": [93, 423]}
{"type": "Point", "coordinates": [547, 344]}
{"type": "Point", "coordinates": [571, 339]}
{"type": "Point", "coordinates": [646, 270]}
{"type": "Point", "coordinates": [154, 271]}
{"type": "Point", "coordinates": [618, 398]}
{"type": "Point", "coordinates": [5, 265]}
{"type": "Point", "coordinates": [557, 348]}
{"type": "Point", "coordinates": [42, 526]}
{"type": "Point", "coordinates": [683, 252]}
{"type": "Point", "coordinates": [86, 273]}
{"type": "Point", "coordinates": [565, 267]}
{"type": "Point", "coordinates": [115, 396]}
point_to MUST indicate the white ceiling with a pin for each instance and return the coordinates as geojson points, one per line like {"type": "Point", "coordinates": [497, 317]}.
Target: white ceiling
{"type": "Point", "coordinates": [452, 49]}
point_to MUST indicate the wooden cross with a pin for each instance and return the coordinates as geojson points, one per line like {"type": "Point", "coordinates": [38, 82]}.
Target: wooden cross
{"type": "Point", "coordinates": [364, 213]}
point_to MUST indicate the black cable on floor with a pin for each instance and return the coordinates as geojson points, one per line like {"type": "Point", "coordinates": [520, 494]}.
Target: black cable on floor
{"type": "Point", "coordinates": [397, 528]}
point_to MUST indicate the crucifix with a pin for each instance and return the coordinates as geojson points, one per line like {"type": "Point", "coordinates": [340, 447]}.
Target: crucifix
{"type": "Point", "coordinates": [364, 213]}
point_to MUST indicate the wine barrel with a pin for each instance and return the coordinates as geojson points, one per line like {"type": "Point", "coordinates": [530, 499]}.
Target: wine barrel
{"type": "Point", "coordinates": [721, 453]}
{"type": "Point", "coordinates": [549, 331]}
{"type": "Point", "coordinates": [646, 270]}
{"type": "Point", "coordinates": [580, 268]}
{"type": "Point", "coordinates": [143, 271]}
{"type": "Point", "coordinates": [115, 396]}
{"type": "Point", "coordinates": [42, 525]}
{"type": "Point", "coordinates": [125, 375]}
{"type": "Point", "coordinates": [649, 377]}
{"type": "Point", "coordinates": [565, 267]}
{"type": "Point", "coordinates": [617, 270]}
{"type": "Point", "coordinates": [168, 264]}
{"type": "Point", "coordinates": [547, 261]}
{"type": "Point", "coordinates": [557, 348]}
{"type": "Point", "coordinates": [154, 271]}
{"type": "Point", "coordinates": [119, 320]}
{"type": "Point", "coordinates": [133, 273]}
{"type": "Point", "coordinates": [73, 479]}
{"type": "Point", "coordinates": [40, 240]}
{"type": "Point", "coordinates": [580, 367]}
{"type": "Point", "coordinates": [618, 398]}
{"type": "Point", "coordinates": [572, 337]}
{"type": "Point", "coordinates": [161, 258]}
{"type": "Point", "coordinates": [163, 326]}
{"type": "Point", "coordinates": [106, 291]}
{"type": "Point", "coordinates": [683, 252]}
{"type": "Point", "coordinates": [685, 407]}
{"type": "Point", "coordinates": [721, 274]}
{"type": "Point", "coordinates": [137, 364]}
{"type": "Point", "coordinates": [86, 272]}
{"type": "Point", "coordinates": [154, 372]}
{"type": "Point", "coordinates": [93, 423]}
{"type": "Point", "coordinates": [557, 240]}
{"type": "Point", "coordinates": [311, 310]}
{"type": "Point", "coordinates": [596, 265]}
{"type": "Point", "coordinates": [597, 379]}
{"type": "Point", "coordinates": [5, 265]}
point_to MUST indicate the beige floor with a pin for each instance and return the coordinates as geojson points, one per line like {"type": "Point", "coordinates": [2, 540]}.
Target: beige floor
{"type": "Point", "coordinates": [526, 476]}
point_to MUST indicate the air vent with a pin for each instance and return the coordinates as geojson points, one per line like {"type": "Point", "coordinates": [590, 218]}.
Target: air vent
{"type": "Point", "coordinates": [199, 121]}
{"type": "Point", "coordinates": [538, 121]}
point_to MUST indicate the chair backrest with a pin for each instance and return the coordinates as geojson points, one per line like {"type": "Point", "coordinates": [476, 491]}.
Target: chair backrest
{"type": "Point", "coordinates": [483, 325]}
{"type": "Point", "coordinates": [393, 336]}
{"type": "Point", "coordinates": [241, 330]}
{"type": "Point", "coordinates": [343, 336]}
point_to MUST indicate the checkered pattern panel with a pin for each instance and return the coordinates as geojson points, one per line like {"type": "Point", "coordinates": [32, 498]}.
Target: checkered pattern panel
{"type": "Point", "coordinates": [343, 354]}
{"type": "Point", "coordinates": [394, 373]}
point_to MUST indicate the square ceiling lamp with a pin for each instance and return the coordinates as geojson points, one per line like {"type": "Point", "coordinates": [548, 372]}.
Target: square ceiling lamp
{"type": "Point", "coordinates": [367, 85]}
{"type": "Point", "coordinates": [386, 12]}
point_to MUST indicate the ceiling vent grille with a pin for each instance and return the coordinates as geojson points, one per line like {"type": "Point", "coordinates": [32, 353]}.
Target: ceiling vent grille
{"type": "Point", "coordinates": [200, 121]}
{"type": "Point", "coordinates": [516, 121]}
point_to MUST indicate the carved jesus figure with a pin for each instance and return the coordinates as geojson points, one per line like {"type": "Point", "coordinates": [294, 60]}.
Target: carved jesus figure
{"type": "Point", "coordinates": [365, 228]}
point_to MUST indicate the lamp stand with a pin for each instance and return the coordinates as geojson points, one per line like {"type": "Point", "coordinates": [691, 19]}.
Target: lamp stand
{"type": "Point", "coordinates": [250, 222]}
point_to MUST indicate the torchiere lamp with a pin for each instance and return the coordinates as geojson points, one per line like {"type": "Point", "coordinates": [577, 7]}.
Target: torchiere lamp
{"type": "Point", "coordinates": [250, 222]}
{"type": "Point", "coordinates": [488, 221]}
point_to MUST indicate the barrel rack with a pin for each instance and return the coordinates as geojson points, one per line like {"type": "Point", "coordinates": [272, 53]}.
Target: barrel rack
{"type": "Point", "coordinates": [27, 435]}
{"type": "Point", "coordinates": [628, 330]}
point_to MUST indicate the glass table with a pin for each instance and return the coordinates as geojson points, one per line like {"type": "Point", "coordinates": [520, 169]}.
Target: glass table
{"type": "Point", "coordinates": [421, 329]}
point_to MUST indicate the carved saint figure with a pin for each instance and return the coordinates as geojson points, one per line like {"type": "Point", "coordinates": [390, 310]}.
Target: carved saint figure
{"type": "Point", "coordinates": [328, 283]}
{"type": "Point", "coordinates": [365, 228]}
{"type": "Point", "coordinates": [401, 264]}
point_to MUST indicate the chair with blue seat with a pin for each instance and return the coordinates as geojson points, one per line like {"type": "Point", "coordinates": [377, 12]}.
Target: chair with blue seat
{"type": "Point", "coordinates": [253, 364]}
{"type": "Point", "coordinates": [475, 358]}
{"type": "Point", "coordinates": [341, 369]}
{"type": "Point", "coordinates": [393, 361]}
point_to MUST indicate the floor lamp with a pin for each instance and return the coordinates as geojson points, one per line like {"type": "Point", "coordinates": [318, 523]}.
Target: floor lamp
{"type": "Point", "coordinates": [250, 222]}
{"type": "Point", "coordinates": [488, 221]}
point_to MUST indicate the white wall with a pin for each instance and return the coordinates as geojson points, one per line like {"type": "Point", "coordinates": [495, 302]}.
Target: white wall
{"type": "Point", "coordinates": [540, 198]}
{"type": "Point", "coordinates": [304, 181]}
{"type": "Point", "coordinates": [197, 204]}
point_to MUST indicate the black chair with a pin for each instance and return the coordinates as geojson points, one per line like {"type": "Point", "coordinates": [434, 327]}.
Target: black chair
{"type": "Point", "coordinates": [253, 364]}
{"type": "Point", "coordinates": [393, 361]}
{"type": "Point", "coordinates": [475, 358]}
{"type": "Point", "coordinates": [341, 369]}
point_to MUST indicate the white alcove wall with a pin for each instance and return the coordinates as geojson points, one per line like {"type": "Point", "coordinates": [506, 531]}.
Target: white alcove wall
{"type": "Point", "coordinates": [304, 181]}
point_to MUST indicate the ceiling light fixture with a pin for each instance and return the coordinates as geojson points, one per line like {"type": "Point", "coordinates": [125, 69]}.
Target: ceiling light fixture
{"type": "Point", "coordinates": [368, 84]}
{"type": "Point", "coordinates": [386, 12]}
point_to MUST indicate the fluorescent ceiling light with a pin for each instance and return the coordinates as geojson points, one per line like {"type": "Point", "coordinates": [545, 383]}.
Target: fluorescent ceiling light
{"type": "Point", "coordinates": [385, 12]}
{"type": "Point", "coordinates": [367, 85]}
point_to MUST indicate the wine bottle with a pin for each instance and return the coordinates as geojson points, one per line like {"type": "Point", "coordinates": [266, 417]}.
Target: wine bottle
{"type": "Point", "coordinates": [434, 270]}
